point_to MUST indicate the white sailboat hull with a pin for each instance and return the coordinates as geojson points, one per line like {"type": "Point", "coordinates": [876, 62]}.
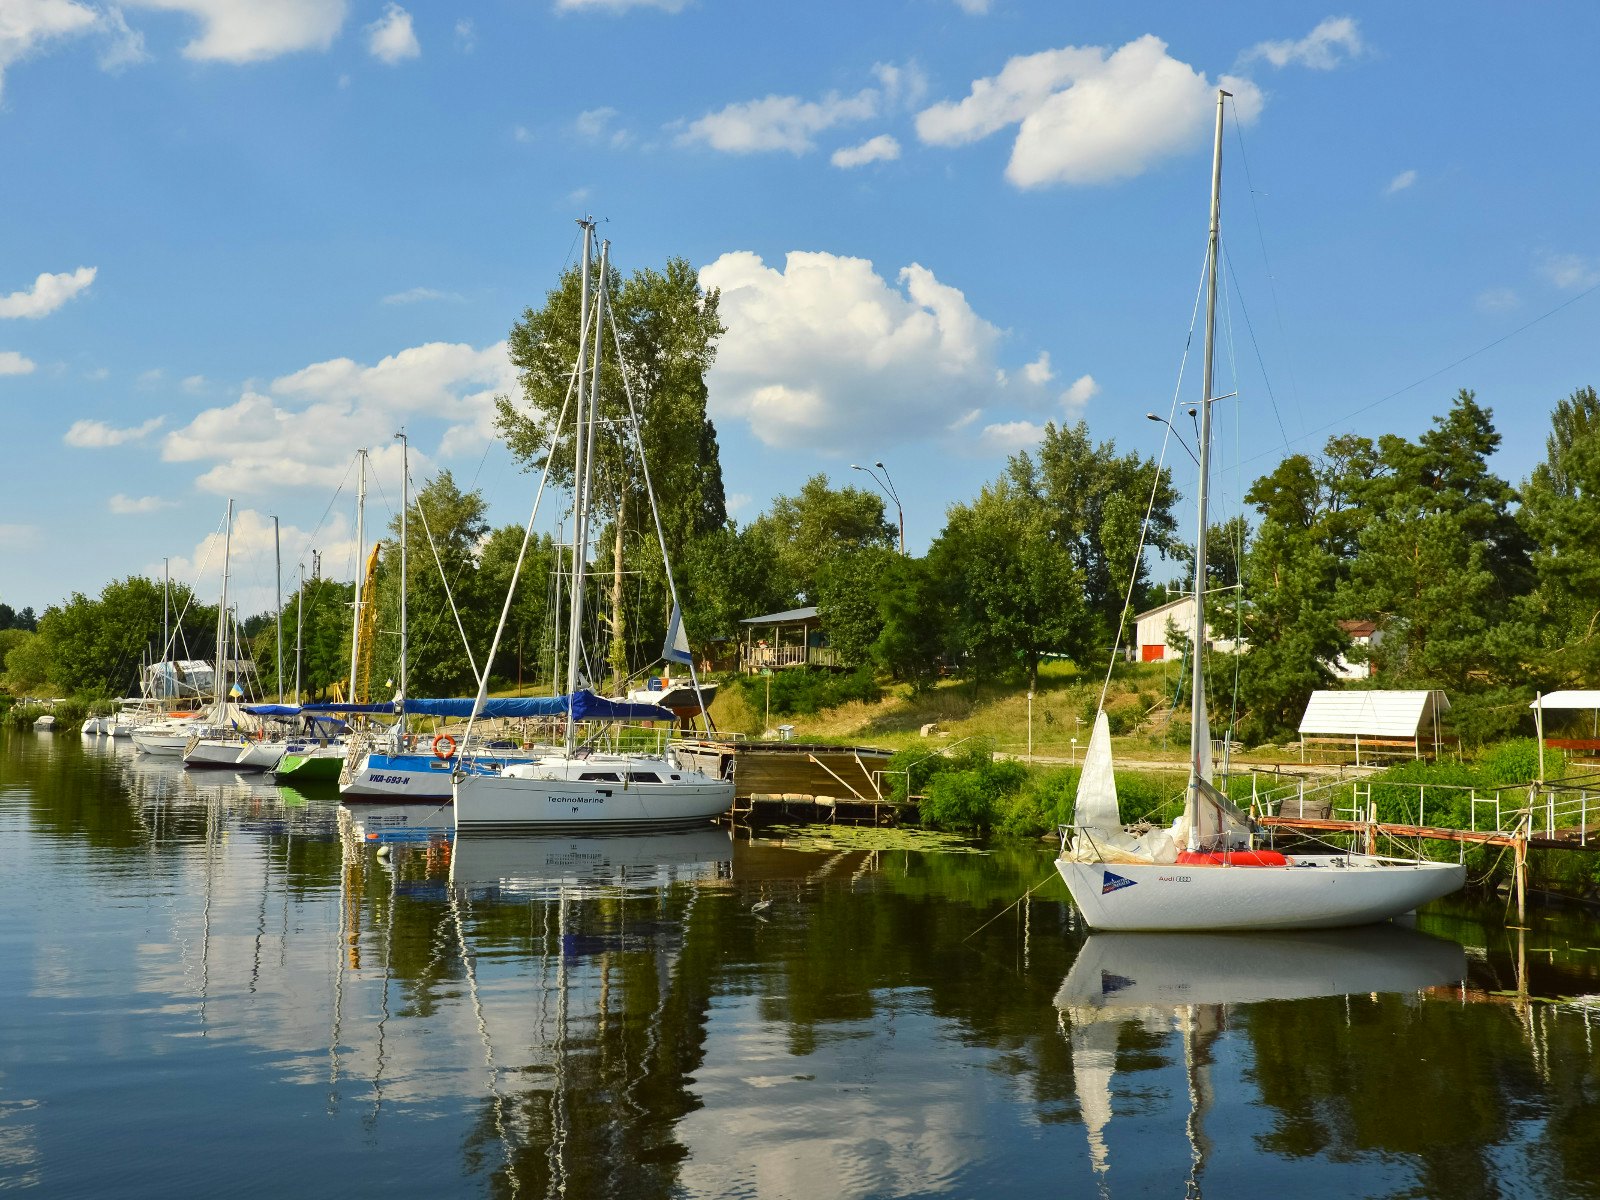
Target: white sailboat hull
{"type": "Point", "coordinates": [163, 742]}
{"type": "Point", "coordinates": [549, 801]}
{"type": "Point", "coordinates": [1314, 892]}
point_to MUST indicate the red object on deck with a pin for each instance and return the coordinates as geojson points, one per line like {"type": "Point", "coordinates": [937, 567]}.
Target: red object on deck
{"type": "Point", "coordinates": [1232, 858]}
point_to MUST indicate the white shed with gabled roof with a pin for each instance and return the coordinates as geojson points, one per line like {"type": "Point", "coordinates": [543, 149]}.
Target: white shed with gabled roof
{"type": "Point", "coordinates": [1382, 721]}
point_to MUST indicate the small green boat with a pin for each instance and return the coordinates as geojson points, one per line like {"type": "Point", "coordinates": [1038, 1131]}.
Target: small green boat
{"type": "Point", "coordinates": [318, 765]}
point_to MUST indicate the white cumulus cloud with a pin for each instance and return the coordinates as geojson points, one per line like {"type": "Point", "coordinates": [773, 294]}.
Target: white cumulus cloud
{"type": "Point", "coordinates": [129, 506]}
{"type": "Point", "coordinates": [1400, 182]}
{"type": "Point", "coordinates": [1008, 437]}
{"type": "Point", "coordinates": [419, 295]}
{"type": "Point", "coordinates": [48, 293]}
{"type": "Point", "coordinates": [391, 38]}
{"type": "Point", "coordinates": [13, 363]}
{"type": "Point", "coordinates": [779, 122]}
{"type": "Point", "coordinates": [18, 537]}
{"type": "Point", "coordinates": [27, 25]}
{"type": "Point", "coordinates": [882, 148]}
{"type": "Point", "coordinates": [242, 31]}
{"type": "Point", "coordinates": [1570, 272]}
{"type": "Point", "coordinates": [1039, 371]}
{"type": "Point", "coordinates": [97, 435]}
{"type": "Point", "coordinates": [1082, 390]}
{"type": "Point", "coordinates": [1085, 115]}
{"type": "Point", "coordinates": [1329, 45]}
{"type": "Point", "coordinates": [826, 352]}
{"type": "Point", "coordinates": [302, 429]}
{"type": "Point", "coordinates": [252, 552]}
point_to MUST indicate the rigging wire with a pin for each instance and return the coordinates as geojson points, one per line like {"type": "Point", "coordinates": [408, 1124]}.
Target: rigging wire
{"type": "Point", "coordinates": [1272, 281]}
{"type": "Point", "coordinates": [1155, 485]}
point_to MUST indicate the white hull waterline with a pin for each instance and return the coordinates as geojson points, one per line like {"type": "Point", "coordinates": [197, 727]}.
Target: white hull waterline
{"type": "Point", "coordinates": [1313, 892]}
{"type": "Point", "coordinates": [554, 795]}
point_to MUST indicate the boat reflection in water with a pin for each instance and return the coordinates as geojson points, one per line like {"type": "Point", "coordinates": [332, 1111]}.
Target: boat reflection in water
{"type": "Point", "coordinates": [1189, 984]}
{"type": "Point", "coordinates": [550, 863]}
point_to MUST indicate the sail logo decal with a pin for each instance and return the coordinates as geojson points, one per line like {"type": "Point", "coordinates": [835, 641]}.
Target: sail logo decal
{"type": "Point", "coordinates": [1113, 882]}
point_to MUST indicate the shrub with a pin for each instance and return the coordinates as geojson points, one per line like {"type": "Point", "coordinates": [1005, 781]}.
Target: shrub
{"type": "Point", "coordinates": [805, 692]}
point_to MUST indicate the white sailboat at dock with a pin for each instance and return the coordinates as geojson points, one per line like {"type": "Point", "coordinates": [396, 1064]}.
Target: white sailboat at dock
{"type": "Point", "coordinates": [580, 787]}
{"type": "Point", "coordinates": [1205, 873]}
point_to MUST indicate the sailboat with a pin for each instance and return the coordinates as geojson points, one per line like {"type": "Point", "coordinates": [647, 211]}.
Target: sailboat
{"type": "Point", "coordinates": [577, 787]}
{"type": "Point", "coordinates": [1205, 873]}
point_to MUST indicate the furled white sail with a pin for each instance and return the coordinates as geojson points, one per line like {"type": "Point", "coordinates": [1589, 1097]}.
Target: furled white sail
{"type": "Point", "coordinates": [1101, 835]}
{"type": "Point", "coordinates": [1096, 806]}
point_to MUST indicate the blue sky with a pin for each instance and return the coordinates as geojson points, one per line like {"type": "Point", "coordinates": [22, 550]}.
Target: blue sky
{"type": "Point", "coordinates": [241, 238]}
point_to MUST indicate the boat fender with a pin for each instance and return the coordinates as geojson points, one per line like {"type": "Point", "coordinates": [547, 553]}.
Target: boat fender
{"type": "Point", "coordinates": [1236, 858]}
{"type": "Point", "coordinates": [444, 746]}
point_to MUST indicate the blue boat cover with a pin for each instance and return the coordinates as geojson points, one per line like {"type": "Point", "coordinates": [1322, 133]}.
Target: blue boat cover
{"type": "Point", "coordinates": [386, 707]}
{"type": "Point", "coordinates": [271, 710]}
{"type": "Point", "coordinates": [586, 706]}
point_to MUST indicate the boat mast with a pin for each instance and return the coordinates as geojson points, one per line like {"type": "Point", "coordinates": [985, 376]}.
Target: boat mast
{"type": "Point", "coordinates": [219, 677]}
{"type": "Point", "coordinates": [277, 558]}
{"type": "Point", "coordinates": [1199, 734]}
{"type": "Point", "coordinates": [166, 633]}
{"type": "Point", "coordinates": [580, 484]}
{"type": "Point", "coordinates": [355, 624]}
{"type": "Point", "coordinates": [299, 629]}
{"type": "Point", "coordinates": [405, 504]}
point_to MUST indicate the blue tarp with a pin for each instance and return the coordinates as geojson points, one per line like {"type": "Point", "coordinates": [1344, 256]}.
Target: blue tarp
{"type": "Point", "coordinates": [387, 707]}
{"type": "Point", "coordinates": [271, 710]}
{"type": "Point", "coordinates": [586, 706]}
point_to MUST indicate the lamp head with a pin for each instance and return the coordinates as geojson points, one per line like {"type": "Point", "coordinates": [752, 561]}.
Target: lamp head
{"type": "Point", "coordinates": [879, 465]}
{"type": "Point", "coordinates": [1151, 417]}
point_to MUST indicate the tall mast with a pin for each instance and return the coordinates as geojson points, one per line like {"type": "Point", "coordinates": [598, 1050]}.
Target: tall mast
{"type": "Point", "coordinates": [220, 675]}
{"type": "Point", "coordinates": [355, 623]}
{"type": "Point", "coordinates": [299, 629]}
{"type": "Point", "coordinates": [1199, 734]}
{"type": "Point", "coordinates": [277, 558]}
{"type": "Point", "coordinates": [166, 633]}
{"type": "Point", "coordinates": [580, 485]}
{"type": "Point", "coordinates": [405, 504]}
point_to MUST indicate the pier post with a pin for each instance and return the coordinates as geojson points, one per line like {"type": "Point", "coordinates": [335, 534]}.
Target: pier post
{"type": "Point", "coordinates": [1522, 869]}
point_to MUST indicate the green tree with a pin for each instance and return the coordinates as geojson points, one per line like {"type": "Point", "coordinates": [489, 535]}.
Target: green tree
{"type": "Point", "coordinates": [457, 523]}
{"type": "Point", "coordinates": [848, 601]}
{"type": "Point", "coordinates": [28, 663]}
{"type": "Point", "coordinates": [915, 633]}
{"type": "Point", "coordinates": [667, 328]}
{"type": "Point", "coordinates": [809, 530]}
{"type": "Point", "coordinates": [1561, 512]}
{"type": "Point", "coordinates": [96, 645]}
{"type": "Point", "coordinates": [532, 634]}
{"type": "Point", "coordinates": [1097, 499]}
{"type": "Point", "coordinates": [1013, 589]}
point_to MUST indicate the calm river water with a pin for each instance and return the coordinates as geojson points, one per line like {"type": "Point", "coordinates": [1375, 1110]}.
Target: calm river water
{"type": "Point", "coordinates": [211, 986]}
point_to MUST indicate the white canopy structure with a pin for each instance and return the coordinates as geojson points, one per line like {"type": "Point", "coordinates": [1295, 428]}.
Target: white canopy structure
{"type": "Point", "coordinates": [1572, 700]}
{"type": "Point", "coordinates": [1383, 720]}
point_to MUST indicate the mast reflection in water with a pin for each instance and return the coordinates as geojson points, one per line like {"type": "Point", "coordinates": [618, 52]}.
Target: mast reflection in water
{"type": "Point", "coordinates": [218, 986]}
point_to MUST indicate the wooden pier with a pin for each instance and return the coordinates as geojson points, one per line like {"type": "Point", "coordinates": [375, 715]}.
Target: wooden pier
{"type": "Point", "coordinates": [814, 782]}
{"type": "Point", "coordinates": [1519, 840]}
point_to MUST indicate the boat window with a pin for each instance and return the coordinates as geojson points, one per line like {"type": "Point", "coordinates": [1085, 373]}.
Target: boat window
{"type": "Point", "coordinates": [601, 776]}
{"type": "Point", "coordinates": [643, 777]}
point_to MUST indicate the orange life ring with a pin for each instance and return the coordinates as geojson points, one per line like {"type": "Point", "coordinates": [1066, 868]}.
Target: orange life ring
{"type": "Point", "coordinates": [444, 746]}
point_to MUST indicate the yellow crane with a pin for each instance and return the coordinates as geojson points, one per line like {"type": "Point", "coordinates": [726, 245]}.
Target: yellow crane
{"type": "Point", "coordinates": [366, 631]}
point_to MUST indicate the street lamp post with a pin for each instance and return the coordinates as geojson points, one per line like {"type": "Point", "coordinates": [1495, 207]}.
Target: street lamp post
{"type": "Point", "coordinates": [886, 486]}
{"type": "Point", "coordinates": [1030, 726]}
{"type": "Point", "coordinates": [1163, 421]}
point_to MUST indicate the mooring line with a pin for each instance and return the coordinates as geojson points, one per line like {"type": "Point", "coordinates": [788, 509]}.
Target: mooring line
{"type": "Point", "coordinates": [1013, 904]}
